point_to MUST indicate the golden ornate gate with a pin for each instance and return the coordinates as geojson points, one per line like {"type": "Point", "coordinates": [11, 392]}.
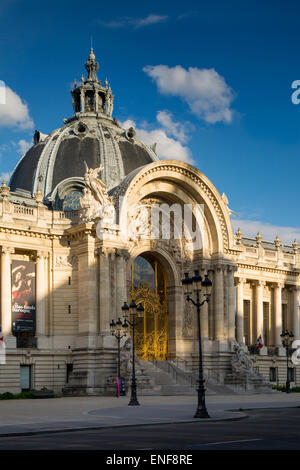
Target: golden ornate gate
{"type": "Point", "coordinates": [152, 331]}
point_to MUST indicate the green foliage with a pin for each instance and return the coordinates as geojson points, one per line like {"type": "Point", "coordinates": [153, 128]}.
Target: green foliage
{"type": "Point", "coordinates": [7, 396]}
{"type": "Point", "coordinates": [23, 395]}
{"type": "Point", "coordinates": [282, 388]}
{"type": "Point", "coordinates": [15, 396]}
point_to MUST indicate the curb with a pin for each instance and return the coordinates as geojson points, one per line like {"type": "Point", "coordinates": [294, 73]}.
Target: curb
{"type": "Point", "coordinates": [99, 427]}
{"type": "Point", "coordinates": [263, 408]}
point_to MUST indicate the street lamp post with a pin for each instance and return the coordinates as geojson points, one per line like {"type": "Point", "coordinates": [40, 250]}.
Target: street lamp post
{"type": "Point", "coordinates": [118, 330]}
{"type": "Point", "coordinates": [136, 314]}
{"type": "Point", "coordinates": [202, 291]}
{"type": "Point", "coordinates": [287, 339]}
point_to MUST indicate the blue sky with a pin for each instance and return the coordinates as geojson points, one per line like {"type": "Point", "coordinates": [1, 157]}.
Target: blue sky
{"type": "Point", "coordinates": [220, 98]}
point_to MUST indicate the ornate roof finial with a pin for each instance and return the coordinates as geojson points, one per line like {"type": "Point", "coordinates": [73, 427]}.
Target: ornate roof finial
{"type": "Point", "coordinates": [92, 66]}
{"type": "Point", "coordinates": [39, 195]}
{"type": "Point", "coordinates": [258, 238]}
{"type": "Point", "coordinates": [295, 246]}
{"type": "Point", "coordinates": [4, 189]}
{"type": "Point", "coordinates": [277, 242]}
{"type": "Point", "coordinates": [238, 236]}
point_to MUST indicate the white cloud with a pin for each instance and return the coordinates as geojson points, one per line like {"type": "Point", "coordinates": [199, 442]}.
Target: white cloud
{"type": "Point", "coordinates": [173, 128]}
{"type": "Point", "coordinates": [134, 22]}
{"type": "Point", "coordinates": [167, 147]}
{"type": "Point", "coordinates": [23, 146]}
{"type": "Point", "coordinates": [3, 148]}
{"type": "Point", "coordinates": [204, 90]}
{"type": "Point", "coordinates": [268, 231]}
{"type": "Point", "coordinates": [15, 112]}
{"type": "Point", "coordinates": [150, 19]}
{"type": "Point", "coordinates": [5, 176]}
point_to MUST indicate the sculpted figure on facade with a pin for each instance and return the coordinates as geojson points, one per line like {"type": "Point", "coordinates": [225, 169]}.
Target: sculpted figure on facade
{"type": "Point", "coordinates": [109, 100]}
{"type": "Point", "coordinates": [139, 226]}
{"type": "Point", "coordinates": [241, 363]}
{"type": "Point", "coordinates": [95, 200]}
{"type": "Point", "coordinates": [126, 359]}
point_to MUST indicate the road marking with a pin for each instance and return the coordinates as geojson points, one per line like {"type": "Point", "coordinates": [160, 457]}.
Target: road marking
{"type": "Point", "coordinates": [227, 442]}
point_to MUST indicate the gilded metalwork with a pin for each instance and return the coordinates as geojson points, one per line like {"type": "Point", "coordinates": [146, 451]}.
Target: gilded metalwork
{"type": "Point", "coordinates": [152, 333]}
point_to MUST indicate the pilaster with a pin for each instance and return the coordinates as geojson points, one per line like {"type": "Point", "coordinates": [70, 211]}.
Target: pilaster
{"type": "Point", "coordinates": [6, 318]}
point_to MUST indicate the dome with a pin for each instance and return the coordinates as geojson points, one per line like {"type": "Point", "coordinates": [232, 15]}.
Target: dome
{"type": "Point", "coordinates": [56, 162]}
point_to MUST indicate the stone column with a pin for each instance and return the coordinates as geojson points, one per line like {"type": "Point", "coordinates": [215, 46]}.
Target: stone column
{"type": "Point", "coordinates": [278, 313]}
{"type": "Point", "coordinates": [104, 291]}
{"type": "Point", "coordinates": [87, 285]}
{"type": "Point", "coordinates": [41, 293]}
{"type": "Point", "coordinates": [240, 309]}
{"type": "Point", "coordinates": [231, 303]}
{"type": "Point", "coordinates": [219, 303]}
{"type": "Point", "coordinates": [82, 101]}
{"type": "Point", "coordinates": [204, 315]}
{"type": "Point", "coordinates": [113, 283]}
{"type": "Point", "coordinates": [259, 309]}
{"type": "Point", "coordinates": [176, 307]}
{"type": "Point", "coordinates": [296, 329]}
{"type": "Point", "coordinates": [121, 294]}
{"type": "Point", "coordinates": [6, 319]}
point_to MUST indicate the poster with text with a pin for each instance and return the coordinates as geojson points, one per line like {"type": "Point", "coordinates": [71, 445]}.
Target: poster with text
{"type": "Point", "coordinates": [23, 296]}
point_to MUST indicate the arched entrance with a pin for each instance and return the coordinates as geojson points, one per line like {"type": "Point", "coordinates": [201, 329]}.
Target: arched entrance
{"type": "Point", "coordinates": [149, 287]}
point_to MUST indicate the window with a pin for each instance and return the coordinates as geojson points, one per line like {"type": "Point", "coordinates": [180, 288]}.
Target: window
{"type": "Point", "coordinates": [284, 317]}
{"type": "Point", "coordinates": [266, 307]}
{"type": "Point", "coordinates": [69, 371]}
{"type": "Point", "coordinates": [273, 374]}
{"type": "Point", "coordinates": [69, 280]}
{"type": "Point", "coordinates": [71, 200]}
{"type": "Point", "coordinates": [25, 378]}
{"type": "Point", "coordinates": [247, 322]}
{"type": "Point", "coordinates": [69, 308]}
{"type": "Point", "coordinates": [291, 374]}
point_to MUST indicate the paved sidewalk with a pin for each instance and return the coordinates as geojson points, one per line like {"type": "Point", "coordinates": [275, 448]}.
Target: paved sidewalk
{"type": "Point", "coordinates": [78, 413]}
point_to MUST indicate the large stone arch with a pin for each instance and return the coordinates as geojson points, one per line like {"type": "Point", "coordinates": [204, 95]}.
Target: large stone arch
{"type": "Point", "coordinates": [180, 180]}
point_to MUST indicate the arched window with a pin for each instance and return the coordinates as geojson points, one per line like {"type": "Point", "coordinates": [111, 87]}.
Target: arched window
{"type": "Point", "coordinates": [71, 200]}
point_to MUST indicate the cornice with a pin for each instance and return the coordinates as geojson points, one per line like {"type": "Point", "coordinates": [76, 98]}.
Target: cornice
{"type": "Point", "coordinates": [30, 233]}
{"type": "Point", "coordinates": [267, 269]}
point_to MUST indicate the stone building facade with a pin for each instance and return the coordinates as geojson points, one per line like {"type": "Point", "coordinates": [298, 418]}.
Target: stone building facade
{"type": "Point", "coordinates": [67, 267]}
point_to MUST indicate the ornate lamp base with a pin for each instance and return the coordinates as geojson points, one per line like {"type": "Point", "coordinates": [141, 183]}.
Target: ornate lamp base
{"type": "Point", "coordinates": [201, 414]}
{"type": "Point", "coordinates": [133, 402]}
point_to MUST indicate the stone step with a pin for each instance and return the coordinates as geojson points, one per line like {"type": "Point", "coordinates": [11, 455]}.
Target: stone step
{"type": "Point", "coordinates": [169, 379]}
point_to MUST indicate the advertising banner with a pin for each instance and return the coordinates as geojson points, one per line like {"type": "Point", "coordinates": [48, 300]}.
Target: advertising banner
{"type": "Point", "coordinates": [23, 296]}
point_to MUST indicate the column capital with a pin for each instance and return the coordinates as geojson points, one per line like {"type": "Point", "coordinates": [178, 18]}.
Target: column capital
{"type": "Point", "coordinates": [121, 252]}
{"type": "Point", "coordinates": [39, 255]}
{"type": "Point", "coordinates": [103, 251]}
{"type": "Point", "coordinates": [219, 267]}
{"type": "Point", "coordinates": [7, 250]}
{"type": "Point", "coordinates": [206, 267]}
{"type": "Point", "coordinates": [98, 251]}
{"type": "Point", "coordinates": [240, 280]}
{"type": "Point", "coordinates": [260, 283]}
{"type": "Point", "coordinates": [278, 285]}
{"type": "Point", "coordinates": [231, 268]}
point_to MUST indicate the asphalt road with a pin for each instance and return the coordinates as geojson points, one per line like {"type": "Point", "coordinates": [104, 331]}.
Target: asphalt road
{"type": "Point", "coordinates": [277, 429]}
